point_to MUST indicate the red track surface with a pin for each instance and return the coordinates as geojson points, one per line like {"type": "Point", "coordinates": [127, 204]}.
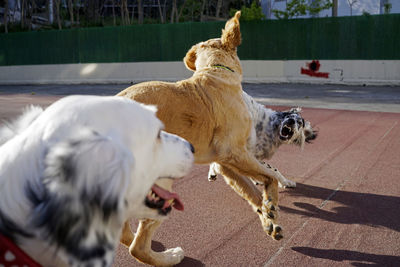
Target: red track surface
{"type": "Point", "coordinates": [343, 212]}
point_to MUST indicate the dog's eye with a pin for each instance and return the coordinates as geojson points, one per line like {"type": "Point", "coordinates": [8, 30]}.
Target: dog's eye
{"type": "Point", "coordinates": [159, 135]}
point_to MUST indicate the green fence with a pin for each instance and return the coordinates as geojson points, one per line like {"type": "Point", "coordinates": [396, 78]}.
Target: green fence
{"type": "Point", "coordinates": [363, 37]}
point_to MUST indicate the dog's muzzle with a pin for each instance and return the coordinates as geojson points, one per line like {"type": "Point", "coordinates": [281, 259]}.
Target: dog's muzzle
{"type": "Point", "coordinates": [287, 129]}
{"type": "Point", "coordinates": [162, 200]}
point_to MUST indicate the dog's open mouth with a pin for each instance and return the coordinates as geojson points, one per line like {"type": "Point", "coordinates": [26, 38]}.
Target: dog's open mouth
{"type": "Point", "coordinates": [286, 133]}
{"type": "Point", "coordinates": [163, 200]}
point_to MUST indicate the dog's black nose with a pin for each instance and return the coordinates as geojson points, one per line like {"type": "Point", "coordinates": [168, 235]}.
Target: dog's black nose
{"type": "Point", "coordinates": [192, 148]}
{"type": "Point", "coordinates": [291, 122]}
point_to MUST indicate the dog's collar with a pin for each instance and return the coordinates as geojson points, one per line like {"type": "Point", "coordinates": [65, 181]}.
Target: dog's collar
{"type": "Point", "coordinates": [223, 67]}
{"type": "Point", "coordinates": [12, 255]}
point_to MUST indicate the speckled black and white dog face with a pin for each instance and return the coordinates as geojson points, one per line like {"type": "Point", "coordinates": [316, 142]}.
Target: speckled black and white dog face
{"type": "Point", "coordinates": [293, 129]}
{"type": "Point", "coordinates": [274, 128]}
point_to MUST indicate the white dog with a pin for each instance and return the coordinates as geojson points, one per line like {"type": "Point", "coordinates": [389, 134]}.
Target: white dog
{"type": "Point", "coordinates": [71, 175]}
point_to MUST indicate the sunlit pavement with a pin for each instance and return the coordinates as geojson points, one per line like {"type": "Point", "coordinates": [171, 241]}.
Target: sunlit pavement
{"type": "Point", "coordinates": [343, 212]}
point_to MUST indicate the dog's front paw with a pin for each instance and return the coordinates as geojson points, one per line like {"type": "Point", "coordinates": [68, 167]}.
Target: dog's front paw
{"type": "Point", "coordinates": [212, 178]}
{"type": "Point", "coordinates": [287, 184]}
{"type": "Point", "coordinates": [274, 230]}
{"type": "Point", "coordinates": [269, 218]}
{"type": "Point", "coordinates": [173, 256]}
{"type": "Point", "coordinates": [212, 172]}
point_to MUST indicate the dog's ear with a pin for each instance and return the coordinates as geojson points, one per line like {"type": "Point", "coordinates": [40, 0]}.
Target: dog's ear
{"type": "Point", "coordinates": [83, 188]}
{"type": "Point", "coordinates": [294, 110]}
{"type": "Point", "coordinates": [231, 37]}
{"type": "Point", "coordinates": [190, 58]}
{"type": "Point", "coordinates": [309, 133]}
{"type": "Point", "coordinates": [94, 167]}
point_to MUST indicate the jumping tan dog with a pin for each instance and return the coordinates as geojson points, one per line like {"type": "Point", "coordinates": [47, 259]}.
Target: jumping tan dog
{"type": "Point", "coordinates": [208, 110]}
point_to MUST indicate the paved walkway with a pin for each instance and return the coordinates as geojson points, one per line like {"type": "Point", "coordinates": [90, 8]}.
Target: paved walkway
{"type": "Point", "coordinates": [344, 211]}
{"type": "Point", "coordinates": [366, 98]}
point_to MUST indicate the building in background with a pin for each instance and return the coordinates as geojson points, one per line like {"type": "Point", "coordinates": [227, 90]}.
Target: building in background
{"type": "Point", "coordinates": [359, 7]}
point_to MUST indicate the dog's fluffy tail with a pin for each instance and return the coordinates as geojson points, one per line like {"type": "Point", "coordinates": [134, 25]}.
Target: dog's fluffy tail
{"type": "Point", "coordinates": [12, 128]}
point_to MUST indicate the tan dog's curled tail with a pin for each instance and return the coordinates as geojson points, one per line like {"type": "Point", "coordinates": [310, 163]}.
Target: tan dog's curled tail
{"type": "Point", "coordinates": [231, 37]}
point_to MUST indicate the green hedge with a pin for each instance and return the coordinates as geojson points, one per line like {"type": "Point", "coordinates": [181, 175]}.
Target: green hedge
{"type": "Point", "coordinates": [362, 37]}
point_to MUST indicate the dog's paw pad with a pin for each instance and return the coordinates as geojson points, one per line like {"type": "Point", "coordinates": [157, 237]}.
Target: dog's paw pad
{"type": "Point", "coordinates": [269, 229]}
{"type": "Point", "coordinates": [277, 237]}
{"type": "Point", "coordinates": [275, 231]}
{"type": "Point", "coordinates": [277, 234]}
{"type": "Point", "coordinates": [212, 178]}
{"type": "Point", "coordinates": [269, 210]}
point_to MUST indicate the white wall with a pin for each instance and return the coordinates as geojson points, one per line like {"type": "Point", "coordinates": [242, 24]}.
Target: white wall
{"type": "Point", "coordinates": [92, 73]}
{"type": "Point", "coordinates": [380, 72]}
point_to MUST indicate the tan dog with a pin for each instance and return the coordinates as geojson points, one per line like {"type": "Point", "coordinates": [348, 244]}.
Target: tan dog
{"type": "Point", "coordinates": [208, 110]}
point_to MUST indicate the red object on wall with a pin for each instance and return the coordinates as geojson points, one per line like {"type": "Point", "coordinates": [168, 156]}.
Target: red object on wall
{"type": "Point", "coordinates": [312, 70]}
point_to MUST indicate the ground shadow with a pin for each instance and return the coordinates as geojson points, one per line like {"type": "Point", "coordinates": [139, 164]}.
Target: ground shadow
{"type": "Point", "coordinates": [357, 258]}
{"type": "Point", "coordinates": [190, 262]}
{"type": "Point", "coordinates": [157, 246]}
{"type": "Point", "coordinates": [357, 208]}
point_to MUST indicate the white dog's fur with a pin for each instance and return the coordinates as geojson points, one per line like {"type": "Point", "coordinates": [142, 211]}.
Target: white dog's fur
{"type": "Point", "coordinates": [270, 130]}
{"type": "Point", "coordinates": [72, 174]}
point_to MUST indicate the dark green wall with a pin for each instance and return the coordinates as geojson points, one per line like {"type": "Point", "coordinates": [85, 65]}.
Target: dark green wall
{"type": "Point", "coordinates": [362, 37]}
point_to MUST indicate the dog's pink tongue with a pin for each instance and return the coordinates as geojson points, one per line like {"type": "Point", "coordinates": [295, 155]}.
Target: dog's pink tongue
{"type": "Point", "coordinates": [177, 204]}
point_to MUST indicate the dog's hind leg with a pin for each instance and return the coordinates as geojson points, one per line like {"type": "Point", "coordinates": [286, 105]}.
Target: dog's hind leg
{"type": "Point", "coordinates": [247, 190]}
{"type": "Point", "coordinates": [247, 165]}
{"type": "Point", "coordinates": [286, 183]}
{"type": "Point", "coordinates": [212, 172]}
{"type": "Point", "coordinates": [127, 236]}
{"type": "Point", "coordinates": [283, 181]}
{"type": "Point", "coordinates": [269, 205]}
{"type": "Point", "coordinates": [141, 246]}
{"type": "Point", "coordinates": [242, 186]}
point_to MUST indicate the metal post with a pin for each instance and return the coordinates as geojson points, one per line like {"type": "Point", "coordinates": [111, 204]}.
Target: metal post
{"type": "Point", "coordinates": [51, 14]}
{"type": "Point", "coordinates": [334, 8]}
